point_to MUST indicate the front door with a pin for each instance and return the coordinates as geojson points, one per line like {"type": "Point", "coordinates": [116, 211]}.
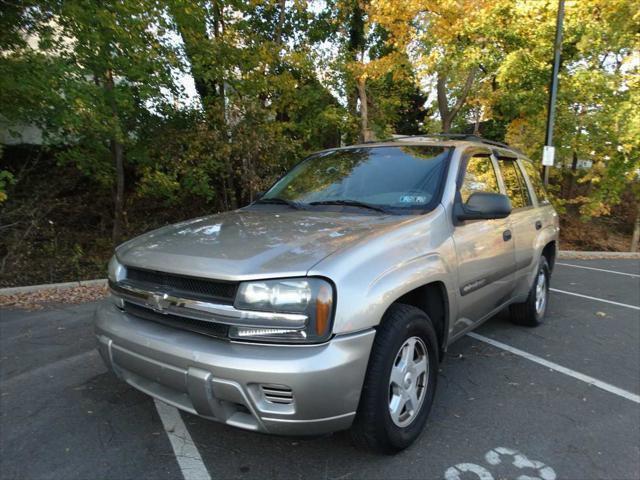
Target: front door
{"type": "Point", "coordinates": [484, 249]}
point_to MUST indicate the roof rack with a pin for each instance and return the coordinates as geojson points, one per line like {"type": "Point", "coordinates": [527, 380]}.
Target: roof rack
{"type": "Point", "coordinates": [461, 136]}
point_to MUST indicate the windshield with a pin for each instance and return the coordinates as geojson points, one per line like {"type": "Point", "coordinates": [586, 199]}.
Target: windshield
{"type": "Point", "coordinates": [389, 178]}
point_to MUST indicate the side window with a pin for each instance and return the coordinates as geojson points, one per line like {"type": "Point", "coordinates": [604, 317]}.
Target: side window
{"type": "Point", "coordinates": [536, 181]}
{"type": "Point", "coordinates": [479, 176]}
{"type": "Point", "coordinates": [523, 184]}
{"type": "Point", "coordinates": [512, 182]}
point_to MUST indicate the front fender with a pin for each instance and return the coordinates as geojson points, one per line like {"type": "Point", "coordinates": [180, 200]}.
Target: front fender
{"type": "Point", "coordinates": [373, 274]}
{"type": "Point", "coordinates": [362, 304]}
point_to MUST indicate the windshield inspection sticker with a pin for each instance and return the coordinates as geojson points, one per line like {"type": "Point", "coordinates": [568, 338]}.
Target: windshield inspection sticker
{"type": "Point", "coordinates": [413, 199]}
{"type": "Point", "coordinates": [527, 469]}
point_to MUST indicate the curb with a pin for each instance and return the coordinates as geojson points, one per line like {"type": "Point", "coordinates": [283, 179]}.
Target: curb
{"type": "Point", "coordinates": [562, 254]}
{"type": "Point", "coordinates": [577, 254]}
{"type": "Point", "coordinates": [52, 286]}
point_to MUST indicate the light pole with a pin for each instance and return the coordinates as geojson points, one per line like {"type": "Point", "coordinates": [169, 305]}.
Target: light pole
{"type": "Point", "coordinates": [549, 151]}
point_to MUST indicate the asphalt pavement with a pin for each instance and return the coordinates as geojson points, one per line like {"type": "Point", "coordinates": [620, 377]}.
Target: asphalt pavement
{"type": "Point", "coordinates": [559, 401]}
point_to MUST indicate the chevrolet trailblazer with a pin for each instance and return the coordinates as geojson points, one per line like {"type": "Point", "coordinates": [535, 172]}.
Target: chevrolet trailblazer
{"type": "Point", "coordinates": [328, 303]}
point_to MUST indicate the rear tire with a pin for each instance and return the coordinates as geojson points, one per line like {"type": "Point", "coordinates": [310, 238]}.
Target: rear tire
{"type": "Point", "coordinates": [400, 382]}
{"type": "Point", "coordinates": [531, 312]}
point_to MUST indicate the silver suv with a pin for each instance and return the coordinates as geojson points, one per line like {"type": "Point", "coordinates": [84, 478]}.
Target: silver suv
{"type": "Point", "coordinates": [328, 303]}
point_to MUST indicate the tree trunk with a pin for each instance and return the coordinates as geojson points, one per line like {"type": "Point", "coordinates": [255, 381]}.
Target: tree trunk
{"type": "Point", "coordinates": [571, 181]}
{"type": "Point", "coordinates": [192, 27]}
{"type": "Point", "coordinates": [446, 124]}
{"type": "Point", "coordinates": [218, 32]}
{"type": "Point", "coordinates": [635, 238]}
{"type": "Point", "coordinates": [443, 103]}
{"type": "Point", "coordinates": [117, 152]}
{"type": "Point", "coordinates": [281, 19]}
{"type": "Point", "coordinates": [476, 124]}
{"type": "Point", "coordinates": [356, 44]}
{"type": "Point", "coordinates": [352, 98]}
{"type": "Point", "coordinates": [365, 134]}
{"type": "Point", "coordinates": [448, 115]}
{"type": "Point", "coordinates": [117, 156]}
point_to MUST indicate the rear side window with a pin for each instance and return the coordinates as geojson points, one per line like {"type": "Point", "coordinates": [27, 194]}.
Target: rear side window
{"type": "Point", "coordinates": [536, 181]}
{"type": "Point", "coordinates": [480, 176]}
{"type": "Point", "coordinates": [514, 183]}
{"type": "Point", "coordinates": [523, 184]}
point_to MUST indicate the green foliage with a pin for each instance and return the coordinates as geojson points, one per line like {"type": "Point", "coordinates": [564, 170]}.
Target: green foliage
{"type": "Point", "coordinates": [6, 179]}
{"type": "Point", "coordinates": [277, 80]}
{"type": "Point", "coordinates": [597, 115]}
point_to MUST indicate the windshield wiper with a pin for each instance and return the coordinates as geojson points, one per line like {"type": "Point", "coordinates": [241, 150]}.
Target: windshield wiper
{"type": "Point", "coordinates": [351, 203]}
{"type": "Point", "coordinates": [280, 201]}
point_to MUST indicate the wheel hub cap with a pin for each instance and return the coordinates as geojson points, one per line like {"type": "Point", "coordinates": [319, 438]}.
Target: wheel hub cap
{"type": "Point", "coordinates": [541, 292]}
{"type": "Point", "coordinates": [408, 382]}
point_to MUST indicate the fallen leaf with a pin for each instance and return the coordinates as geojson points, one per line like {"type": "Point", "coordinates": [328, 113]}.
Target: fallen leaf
{"type": "Point", "coordinates": [39, 299]}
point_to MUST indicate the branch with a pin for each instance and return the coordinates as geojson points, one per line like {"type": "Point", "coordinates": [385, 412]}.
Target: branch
{"type": "Point", "coordinates": [465, 92]}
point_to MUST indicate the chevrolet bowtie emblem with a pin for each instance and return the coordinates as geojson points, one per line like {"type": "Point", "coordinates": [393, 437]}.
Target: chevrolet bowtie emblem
{"type": "Point", "coordinates": [158, 301]}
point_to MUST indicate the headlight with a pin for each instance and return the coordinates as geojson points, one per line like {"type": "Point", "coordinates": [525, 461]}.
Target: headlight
{"type": "Point", "coordinates": [116, 270]}
{"type": "Point", "coordinates": [312, 297]}
{"type": "Point", "coordinates": [116, 273]}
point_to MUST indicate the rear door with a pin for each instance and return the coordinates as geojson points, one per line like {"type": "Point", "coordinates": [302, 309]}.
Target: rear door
{"type": "Point", "coordinates": [484, 248]}
{"type": "Point", "coordinates": [525, 221]}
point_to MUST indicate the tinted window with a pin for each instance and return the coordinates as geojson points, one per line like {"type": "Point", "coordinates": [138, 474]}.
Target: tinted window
{"type": "Point", "coordinates": [479, 176]}
{"type": "Point", "coordinates": [536, 181]}
{"type": "Point", "coordinates": [513, 183]}
{"type": "Point", "coordinates": [523, 184]}
{"type": "Point", "coordinates": [392, 177]}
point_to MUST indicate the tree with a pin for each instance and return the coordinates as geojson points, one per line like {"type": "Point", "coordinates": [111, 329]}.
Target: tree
{"type": "Point", "coordinates": [597, 115]}
{"type": "Point", "coordinates": [255, 75]}
{"type": "Point", "coordinates": [453, 44]}
{"type": "Point", "coordinates": [377, 77]}
{"type": "Point", "coordinates": [99, 68]}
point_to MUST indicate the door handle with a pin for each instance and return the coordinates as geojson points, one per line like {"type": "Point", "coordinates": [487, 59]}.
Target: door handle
{"type": "Point", "coordinates": [538, 224]}
{"type": "Point", "coordinates": [506, 235]}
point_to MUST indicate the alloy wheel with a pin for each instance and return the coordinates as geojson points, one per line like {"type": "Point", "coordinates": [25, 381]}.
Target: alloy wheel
{"type": "Point", "coordinates": [408, 381]}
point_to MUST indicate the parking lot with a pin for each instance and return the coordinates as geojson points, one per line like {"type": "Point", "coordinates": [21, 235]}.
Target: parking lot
{"type": "Point", "coordinates": [559, 401]}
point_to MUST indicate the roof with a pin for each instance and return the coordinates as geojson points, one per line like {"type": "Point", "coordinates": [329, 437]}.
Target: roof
{"type": "Point", "coordinates": [444, 139]}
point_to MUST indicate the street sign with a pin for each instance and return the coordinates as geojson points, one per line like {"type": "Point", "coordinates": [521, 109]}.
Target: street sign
{"type": "Point", "coordinates": [548, 154]}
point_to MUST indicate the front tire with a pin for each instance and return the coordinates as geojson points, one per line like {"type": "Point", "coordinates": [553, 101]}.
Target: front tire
{"type": "Point", "coordinates": [531, 312]}
{"type": "Point", "coordinates": [400, 383]}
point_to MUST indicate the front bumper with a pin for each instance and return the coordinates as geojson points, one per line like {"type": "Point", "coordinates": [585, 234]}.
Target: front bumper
{"type": "Point", "coordinates": [230, 382]}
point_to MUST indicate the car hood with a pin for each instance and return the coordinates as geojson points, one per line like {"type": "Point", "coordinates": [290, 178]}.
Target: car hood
{"type": "Point", "coordinates": [250, 243]}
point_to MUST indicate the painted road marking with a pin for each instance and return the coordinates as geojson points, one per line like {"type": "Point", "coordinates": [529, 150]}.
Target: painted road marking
{"type": "Point", "coordinates": [544, 472]}
{"type": "Point", "coordinates": [598, 269]}
{"type": "Point", "coordinates": [559, 368]}
{"type": "Point", "coordinates": [595, 299]}
{"type": "Point", "coordinates": [493, 458]}
{"type": "Point", "coordinates": [185, 450]}
{"type": "Point", "coordinates": [458, 471]}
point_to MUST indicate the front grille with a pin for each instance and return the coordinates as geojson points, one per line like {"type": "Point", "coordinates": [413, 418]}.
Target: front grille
{"type": "Point", "coordinates": [277, 394]}
{"type": "Point", "coordinates": [181, 286]}
{"type": "Point", "coordinates": [210, 329]}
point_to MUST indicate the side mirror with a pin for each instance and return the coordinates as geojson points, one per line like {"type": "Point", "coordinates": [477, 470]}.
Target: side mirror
{"type": "Point", "coordinates": [484, 206]}
{"type": "Point", "coordinates": [258, 195]}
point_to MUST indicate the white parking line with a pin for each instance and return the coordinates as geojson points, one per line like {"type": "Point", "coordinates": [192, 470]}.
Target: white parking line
{"type": "Point", "coordinates": [185, 450]}
{"type": "Point", "coordinates": [559, 368]}
{"type": "Point", "coordinates": [598, 269]}
{"type": "Point", "coordinates": [595, 299]}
